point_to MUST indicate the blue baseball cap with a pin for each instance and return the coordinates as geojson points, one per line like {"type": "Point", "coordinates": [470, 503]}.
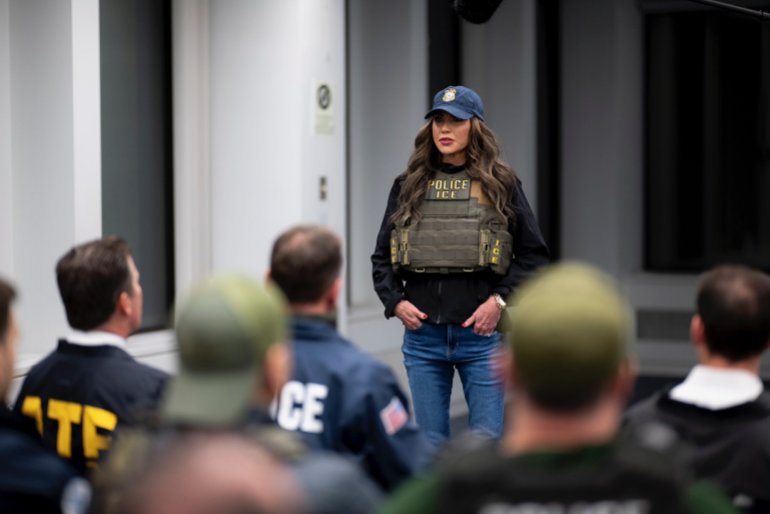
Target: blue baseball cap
{"type": "Point", "coordinates": [461, 102]}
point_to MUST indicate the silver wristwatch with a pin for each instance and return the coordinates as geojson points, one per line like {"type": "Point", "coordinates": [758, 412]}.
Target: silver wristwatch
{"type": "Point", "coordinates": [499, 301]}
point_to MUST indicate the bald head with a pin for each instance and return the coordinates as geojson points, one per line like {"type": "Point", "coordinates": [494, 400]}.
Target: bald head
{"type": "Point", "coordinates": [305, 262]}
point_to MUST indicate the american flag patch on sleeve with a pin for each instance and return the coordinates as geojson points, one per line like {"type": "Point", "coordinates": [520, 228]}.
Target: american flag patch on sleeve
{"type": "Point", "coordinates": [394, 416]}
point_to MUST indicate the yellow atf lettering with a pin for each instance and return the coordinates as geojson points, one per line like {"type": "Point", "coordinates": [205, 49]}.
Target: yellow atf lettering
{"type": "Point", "coordinates": [65, 413]}
{"type": "Point", "coordinates": [68, 413]}
{"type": "Point", "coordinates": [33, 407]}
{"type": "Point", "coordinates": [94, 418]}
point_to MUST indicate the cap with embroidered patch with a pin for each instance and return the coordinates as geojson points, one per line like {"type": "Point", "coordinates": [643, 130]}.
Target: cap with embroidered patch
{"type": "Point", "coordinates": [223, 329]}
{"type": "Point", "coordinates": [461, 102]}
{"type": "Point", "coordinates": [570, 329]}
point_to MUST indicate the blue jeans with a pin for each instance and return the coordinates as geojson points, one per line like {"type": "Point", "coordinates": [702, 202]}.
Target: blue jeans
{"type": "Point", "coordinates": [431, 355]}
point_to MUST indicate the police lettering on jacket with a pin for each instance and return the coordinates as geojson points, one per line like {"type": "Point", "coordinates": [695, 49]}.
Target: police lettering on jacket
{"type": "Point", "coordinates": [449, 189]}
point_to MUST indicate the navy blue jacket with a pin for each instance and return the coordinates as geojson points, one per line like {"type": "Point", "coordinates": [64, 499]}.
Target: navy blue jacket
{"type": "Point", "coordinates": [78, 395]}
{"type": "Point", "coordinates": [344, 400]}
{"type": "Point", "coordinates": [32, 479]}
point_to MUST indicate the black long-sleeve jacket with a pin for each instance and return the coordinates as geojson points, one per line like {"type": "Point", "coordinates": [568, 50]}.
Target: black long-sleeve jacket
{"type": "Point", "coordinates": [453, 297]}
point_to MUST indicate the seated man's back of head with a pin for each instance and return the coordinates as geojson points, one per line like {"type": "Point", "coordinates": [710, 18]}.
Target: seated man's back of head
{"type": "Point", "coordinates": [721, 407]}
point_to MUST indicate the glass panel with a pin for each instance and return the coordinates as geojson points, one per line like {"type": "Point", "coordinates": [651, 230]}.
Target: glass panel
{"type": "Point", "coordinates": [137, 194]}
{"type": "Point", "coordinates": [707, 141]}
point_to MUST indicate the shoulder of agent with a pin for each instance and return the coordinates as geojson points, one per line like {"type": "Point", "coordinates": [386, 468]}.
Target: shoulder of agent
{"type": "Point", "coordinates": [415, 496]}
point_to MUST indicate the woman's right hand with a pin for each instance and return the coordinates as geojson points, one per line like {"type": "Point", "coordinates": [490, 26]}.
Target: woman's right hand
{"type": "Point", "coordinates": [409, 315]}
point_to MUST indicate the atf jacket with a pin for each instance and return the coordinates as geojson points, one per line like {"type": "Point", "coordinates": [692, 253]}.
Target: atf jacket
{"type": "Point", "coordinates": [78, 396]}
{"type": "Point", "coordinates": [453, 297]}
{"type": "Point", "coordinates": [343, 400]}
{"type": "Point", "coordinates": [731, 446]}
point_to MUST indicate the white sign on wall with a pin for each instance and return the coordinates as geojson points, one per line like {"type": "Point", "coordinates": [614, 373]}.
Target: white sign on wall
{"type": "Point", "coordinates": [323, 108]}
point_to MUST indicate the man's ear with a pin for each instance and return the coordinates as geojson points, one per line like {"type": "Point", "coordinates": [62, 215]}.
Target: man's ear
{"type": "Point", "coordinates": [697, 330]}
{"type": "Point", "coordinates": [268, 275]}
{"type": "Point", "coordinates": [333, 293]}
{"type": "Point", "coordinates": [623, 385]}
{"type": "Point", "coordinates": [124, 305]}
{"type": "Point", "coordinates": [277, 367]}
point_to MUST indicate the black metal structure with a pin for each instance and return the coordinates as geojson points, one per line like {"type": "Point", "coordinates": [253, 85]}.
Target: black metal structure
{"type": "Point", "coordinates": [735, 8]}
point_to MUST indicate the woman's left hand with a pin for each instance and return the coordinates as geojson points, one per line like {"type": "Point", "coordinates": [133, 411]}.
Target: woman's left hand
{"type": "Point", "coordinates": [485, 318]}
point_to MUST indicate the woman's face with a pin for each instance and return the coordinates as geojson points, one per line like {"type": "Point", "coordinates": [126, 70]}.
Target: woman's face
{"type": "Point", "coordinates": [450, 135]}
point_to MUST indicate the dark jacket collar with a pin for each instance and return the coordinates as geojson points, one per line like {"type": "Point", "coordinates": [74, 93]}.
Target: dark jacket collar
{"type": "Point", "coordinates": [450, 168]}
{"type": "Point", "coordinates": [314, 328]}
{"type": "Point", "coordinates": [95, 351]}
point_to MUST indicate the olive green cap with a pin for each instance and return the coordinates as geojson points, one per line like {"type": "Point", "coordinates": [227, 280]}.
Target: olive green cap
{"type": "Point", "coordinates": [570, 328]}
{"type": "Point", "coordinates": [223, 330]}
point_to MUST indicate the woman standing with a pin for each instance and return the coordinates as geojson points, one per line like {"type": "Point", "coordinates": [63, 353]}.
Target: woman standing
{"type": "Point", "coordinates": [457, 237]}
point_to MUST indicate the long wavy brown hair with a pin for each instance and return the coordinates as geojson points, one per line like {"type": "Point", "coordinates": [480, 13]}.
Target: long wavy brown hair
{"type": "Point", "coordinates": [483, 164]}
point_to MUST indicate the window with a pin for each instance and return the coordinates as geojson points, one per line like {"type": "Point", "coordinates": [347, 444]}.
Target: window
{"type": "Point", "coordinates": [137, 193]}
{"type": "Point", "coordinates": [707, 168]}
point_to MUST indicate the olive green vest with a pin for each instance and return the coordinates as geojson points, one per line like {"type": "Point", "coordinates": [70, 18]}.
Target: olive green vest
{"type": "Point", "coordinates": [460, 231]}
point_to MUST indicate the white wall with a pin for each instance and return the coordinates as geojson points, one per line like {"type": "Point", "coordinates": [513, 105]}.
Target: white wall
{"type": "Point", "coordinates": [6, 182]}
{"type": "Point", "coordinates": [323, 131]}
{"type": "Point", "coordinates": [265, 158]}
{"type": "Point", "coordinates": [255, 116]}
{"type": "Point", "coordinates": [322, 61]}
{"type": "Point", "coordinates": [192, 163]}
{"type": "Point", "coordinates": [54, 152]}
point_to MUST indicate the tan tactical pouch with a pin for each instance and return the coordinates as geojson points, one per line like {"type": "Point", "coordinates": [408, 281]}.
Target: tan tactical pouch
{"type": "Point", "coordinates": [452, 250]}
{"type": "Point", "coordinates": [496, 250]}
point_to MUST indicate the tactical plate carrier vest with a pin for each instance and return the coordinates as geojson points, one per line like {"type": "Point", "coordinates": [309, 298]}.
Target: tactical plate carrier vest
{"type": "Point", "coordinates": [460, 231]}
